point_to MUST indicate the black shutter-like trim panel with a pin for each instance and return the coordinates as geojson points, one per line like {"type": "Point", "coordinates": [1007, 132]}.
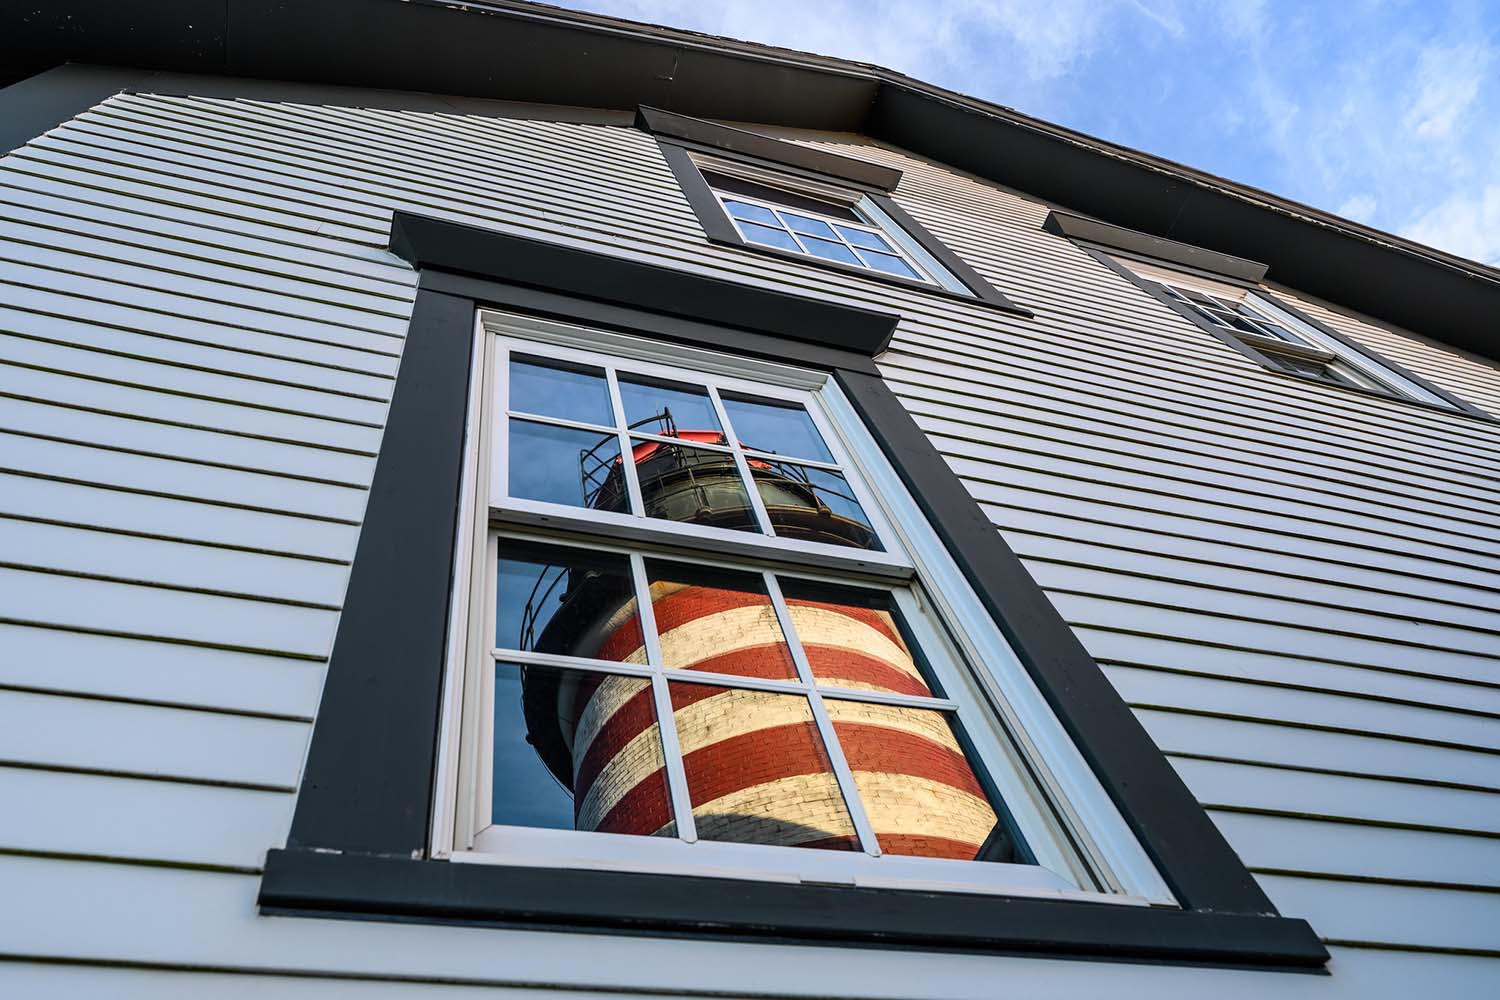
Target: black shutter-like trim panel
{"type": "Point", "coordinates": [367, 786]}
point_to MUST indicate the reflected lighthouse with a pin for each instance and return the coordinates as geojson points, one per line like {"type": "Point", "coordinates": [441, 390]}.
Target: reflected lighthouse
{"type": "Point", "coordinates": [756, 767]}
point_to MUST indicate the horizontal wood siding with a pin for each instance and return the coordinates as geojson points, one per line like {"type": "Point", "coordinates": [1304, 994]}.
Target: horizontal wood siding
{"type": "Point", "coordinates": [1296, 587]}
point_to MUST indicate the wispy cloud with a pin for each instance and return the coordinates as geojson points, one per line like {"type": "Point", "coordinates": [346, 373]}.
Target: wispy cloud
{"type": "Point", "coordinates": [1386, 111]}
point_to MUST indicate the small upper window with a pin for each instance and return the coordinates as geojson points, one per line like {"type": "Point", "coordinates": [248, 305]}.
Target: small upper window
{"type": "Point", "coordinates": [835, 232]}
{"type": "Point", "coordinates": [1278, 336]}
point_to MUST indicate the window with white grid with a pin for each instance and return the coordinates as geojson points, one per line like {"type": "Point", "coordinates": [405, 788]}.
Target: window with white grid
{"type": "Point", "coordinates": [697, 642]}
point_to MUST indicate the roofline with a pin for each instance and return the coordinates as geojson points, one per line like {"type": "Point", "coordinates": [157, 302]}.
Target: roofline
{"type": "Point", "coordinates": [629, 64]}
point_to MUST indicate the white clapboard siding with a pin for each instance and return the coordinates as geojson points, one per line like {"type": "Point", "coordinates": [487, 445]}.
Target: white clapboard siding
{"type": "Point", "coordinates": [167, 673]}
{"type": "Point", "coordinates": [109, 555]}
{"type": "Point", "coordinates": [1307, 844]}
{"type": "Point", "coordinates": [1244, 737]}
{"type": "Point", "coordinates": [1297, 587]}
{"type": "Point", "coordinates": [129, 818]}
{"type": "Point", "coordinates": [149, 740]}
{"type": "Point", "coordinates": [153, 513]}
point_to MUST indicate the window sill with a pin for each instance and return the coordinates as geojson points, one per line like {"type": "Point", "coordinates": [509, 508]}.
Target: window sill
{"type": "Point", "coordinates": [923, 287]}
{"type": "Point", "coordinates": [324, 884]}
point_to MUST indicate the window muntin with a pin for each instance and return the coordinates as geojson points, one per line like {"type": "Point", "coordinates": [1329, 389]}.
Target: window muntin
{"type": "Point", "coordinates": [706, 455]}
{"type": "Point", "coordinates": [857, 244]}
{"type": "Point", "coordinates": [705, 702]}
{"type": "Point", "coordinates": [1023, 759]}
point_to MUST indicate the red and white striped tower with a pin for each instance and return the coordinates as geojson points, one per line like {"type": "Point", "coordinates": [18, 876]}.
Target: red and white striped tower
{"type": "Point", "coordinates": [755, 765]}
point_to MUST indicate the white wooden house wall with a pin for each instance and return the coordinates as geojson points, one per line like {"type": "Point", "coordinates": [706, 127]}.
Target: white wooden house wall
{"type": "Point", "coordinates": [1295, 586]}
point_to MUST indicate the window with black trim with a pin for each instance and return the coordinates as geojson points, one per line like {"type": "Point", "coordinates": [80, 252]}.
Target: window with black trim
{"type": "Point", "coordinates": [698, 640]}
{"type": "Point", "coordinates": [781, 198]}
{"type": "Point", "coordinates": [962, 656]}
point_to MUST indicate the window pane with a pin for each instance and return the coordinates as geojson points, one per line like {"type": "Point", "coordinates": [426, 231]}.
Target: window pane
{"type": "Point", "coordinates": [783, 428]}
{"type": "Point", "coordinates": [567, 601]}
{"type": "Point", "coordinates": [921, 793]}
{"type": "Point", "coordinates": [553, 389]}
{"type": "Point", "coordinates": [566, 465]}
{"type": "Point", "coordinates": [577, 750]}
{"type": "Point", "coordinates": [679, 483]}
{"type": "Point", "coordinates": [757, 771]}
{"type": "Point", "coordinates": [830, 250]}
{"type": "Point", "coordinates": [811, 504]}
{"type": "Point", "coordinates": [752, 213]}
{"type": "Point", "coordinates": [861, 238]}
{"type": "Point", "coordinates": [889, 264]}
{"type": "Point", "coordinates": [853, 638]}
{"type": "Point", "coordinates": [658, 407]}
{"type": "Point", "coordinates": [770, 237]}
{"type": "Point", "coordinates": [717, 620]}
{"type": "Point", "coordinates": [813, 227]}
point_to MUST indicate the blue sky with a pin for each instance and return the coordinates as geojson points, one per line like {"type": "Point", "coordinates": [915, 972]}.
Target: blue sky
{"type": "Point", "coordinates": [1385, 112]}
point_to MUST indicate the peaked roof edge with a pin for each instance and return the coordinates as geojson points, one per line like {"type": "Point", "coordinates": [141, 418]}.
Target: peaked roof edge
{"type": "Point", "coordinates": [510, 50]}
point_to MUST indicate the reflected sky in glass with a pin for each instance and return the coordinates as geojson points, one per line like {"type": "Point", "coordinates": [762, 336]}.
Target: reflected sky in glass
{"type": "Point", "coordinates": [555, 389]}
{"type": "Point", "coordinates": [560, 464]}
{"type": "Point", "coordinates": [534, 582]}
{"type": "Point", "coordinates": [646, 401]}
{"type": "Point", "coordinates": [783, 428]}
{"type": "Point", "coordinates": [525, 792]}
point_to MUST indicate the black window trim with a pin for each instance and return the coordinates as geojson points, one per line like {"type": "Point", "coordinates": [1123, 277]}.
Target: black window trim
{"type": "Point", "coordinates": [359, 837]}
{"type": "Point", "coordinates": [1103, 242]}
{"type": "Point", "coordinates": [677, 136]}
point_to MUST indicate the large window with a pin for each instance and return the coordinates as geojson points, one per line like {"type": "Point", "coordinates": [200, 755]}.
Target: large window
{"type": "Point", "coordinates": [698, 641]}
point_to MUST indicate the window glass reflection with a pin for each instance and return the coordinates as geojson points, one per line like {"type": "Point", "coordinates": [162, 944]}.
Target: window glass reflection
{"type": "Point", "coordinates": [757, 771]}
{"type": "Point", "coordinates": [783, 428]}
{"type": "Point", "coordinates": [854, 638]}
{"type": "Point", "coordinates": [558, 389]}
{"type": "Point", "coordinates": [576, 750]}
{"type": "Point", "coordinates": [566, 465]}
{"type": "Point", "coordinates": [566, 601]}
{"type": "Point", "coordinates": [922, 794]}
{"type": "Point", "coordinates": [670, 408]}
{"type": "Point", "coordinates": [696, 485]}
{"type": "Point", "coordinates": [888, 263]}
{"type": "Point", "coordinates": [812, 504]}
{"type": "Point", "coordinates": [717, 620]}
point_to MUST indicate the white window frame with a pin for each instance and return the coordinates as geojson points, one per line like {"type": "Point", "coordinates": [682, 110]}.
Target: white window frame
{"type": "Point", "coordinates": [1309, 343]}
{"type": "Point", "coordinates": [1084, 848]}
{"type": "Point", "coordinates": [929, 270]}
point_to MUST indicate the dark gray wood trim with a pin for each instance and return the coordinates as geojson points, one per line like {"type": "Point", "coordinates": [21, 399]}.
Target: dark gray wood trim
{"type": "Point", "coordinates": [1153, 290]}
{"type": "Point", "coordinates": [450, 246]}
{"type": "Point", "coordinates": [717, 227]}
{"type": "Point", "coordinates": [1076, 227]}
{"type": "Point", "coordinates": [777, 151]}
{"type": "Point", "coordinates": [359, 833]}
{"type": "Point", "coordinates": [713, 337]}
{"type": "Point", "coordinates": [367, 786]}
{"type": "Point", "coordinates": [305, 883]}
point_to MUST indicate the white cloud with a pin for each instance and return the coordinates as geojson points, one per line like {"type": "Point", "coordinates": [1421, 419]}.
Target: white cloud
{"type": "Point", "coordinates": [1361, 208]}
{"type": "Point", "coordinates": [1448, 79]}
{"type": "Point", "coordinates": [1467, 224]}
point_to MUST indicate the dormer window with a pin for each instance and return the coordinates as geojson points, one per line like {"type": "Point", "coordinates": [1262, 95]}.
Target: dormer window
{"type": "Point", "coordinates": [821, 209]}
{"type": "Point", "coordinates": [834, 231]}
